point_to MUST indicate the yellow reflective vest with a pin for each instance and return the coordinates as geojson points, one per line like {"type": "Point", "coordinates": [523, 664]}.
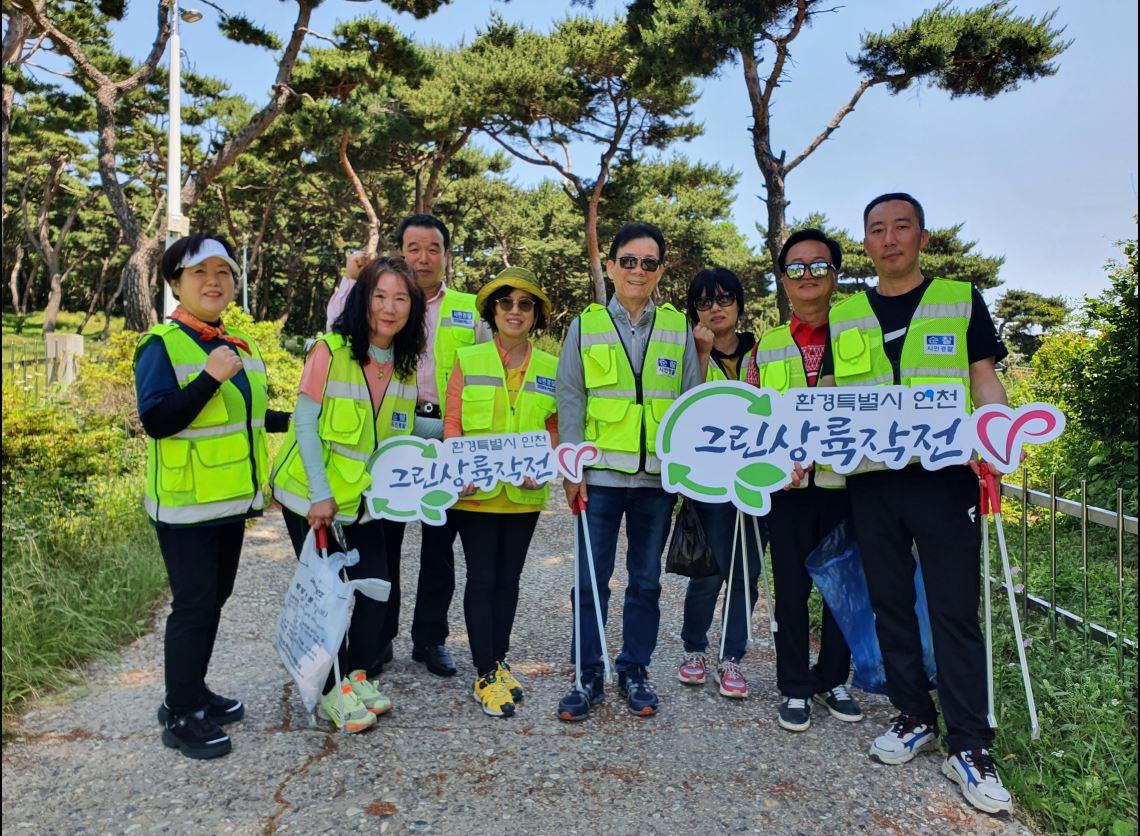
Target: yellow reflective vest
{"type": "Point", "coordinates": [349, 432]}
{"type": "Point", "coordinates": [218, 466]}
{"type": "Point", "coordinates": [454, 330]}
{"type": "Point", "coordinates": [487, 408]}
{"type": "Point", "coordinates": [624, 407]}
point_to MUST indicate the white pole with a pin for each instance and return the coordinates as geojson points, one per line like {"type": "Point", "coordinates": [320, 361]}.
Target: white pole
{"type": "Point", "coordinates": [1034, 726]}
{"type": "Point", "coordinates": [773, 626]}
{"type": "Point", "coordinates": [245, 276]}
{"type": "Point", "coordinates": [728, 589]}
{"type": "Point", "coordinates": [174, 152]}
{"type": "Point", "coordinates": [992, 716]}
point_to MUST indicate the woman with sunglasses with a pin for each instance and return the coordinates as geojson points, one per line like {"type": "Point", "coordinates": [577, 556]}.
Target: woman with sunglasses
{"type": "Point", "coordinates": [715, 302]}
{"type": "Point", "coordinates": [503, 386]}
{"type": "Point", "coordinates": [790, 356]}
{"type": "Point", "coordinates": [357, 389]}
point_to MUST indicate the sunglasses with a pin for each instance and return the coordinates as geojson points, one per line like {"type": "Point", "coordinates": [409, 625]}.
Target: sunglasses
{"type": "Point", "coordinates": [506, 304]}
{"type": "Point", "coordinates": [648, 264]}
{"type": "Point", "coordinates": [818, 270]}
{"type": "Point", "coordinates": [722, 300]}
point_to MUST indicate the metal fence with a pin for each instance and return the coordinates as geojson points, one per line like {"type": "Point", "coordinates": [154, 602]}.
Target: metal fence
{"type": "Point", "coordinates": [34, 372]}
{"type": "Point", "coordinates": [1117, 521]}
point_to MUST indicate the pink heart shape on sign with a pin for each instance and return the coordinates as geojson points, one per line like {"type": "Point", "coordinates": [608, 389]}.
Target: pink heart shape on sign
{"type": "Point", "coordinates": [572, 458]}
{"type": "Point", "coordinates": [1002, 432]}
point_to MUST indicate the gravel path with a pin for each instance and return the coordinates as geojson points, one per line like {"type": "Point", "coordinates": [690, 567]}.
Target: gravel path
{"type": "Point", "coordinates": [90, 760]}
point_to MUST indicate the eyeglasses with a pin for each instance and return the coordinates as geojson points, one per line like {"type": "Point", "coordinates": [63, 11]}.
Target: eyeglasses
{"type": "Point", "coordinates": [722, 300]}
{"type": "Point", "coordinates": [506, 304]}
{"type": "Point", "coordinates": [818, 270]}
{"type": "Point", "coordinates": [629, 262]}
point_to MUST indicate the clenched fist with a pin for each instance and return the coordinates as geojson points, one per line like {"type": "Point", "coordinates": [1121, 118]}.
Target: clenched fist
{"type": "Point", "coordinates": [354, 262]}
{"type": "Point", "coordinates": [223, 363]}
{"type": "Point", "coordinates": [703, 337]}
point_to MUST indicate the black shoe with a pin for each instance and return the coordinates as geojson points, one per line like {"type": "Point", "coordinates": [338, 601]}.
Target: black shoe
{"type": "Point", "coordinates": [841, 704]}
{"type": "Point", "coordinates": [795, 714]}
{"type": "Point", "coordinates": [196, 736]}
{"type": "Point", "coordinates": [220, 709]}
{"type": "Point", "coordinates": [639, 694]}
{"type": "Point", "coordinates": [436, 657]}
{"type": "Point", "coordinates": [575, 705]}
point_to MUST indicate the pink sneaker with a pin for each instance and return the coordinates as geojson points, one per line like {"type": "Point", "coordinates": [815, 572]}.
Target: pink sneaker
{"type": "Point", "coordinates": [693, 670]}
{"type": "Point", "coordinates": [733, 683]}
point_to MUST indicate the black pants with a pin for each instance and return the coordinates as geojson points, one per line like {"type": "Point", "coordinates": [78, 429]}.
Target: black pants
{"type": "Point", "coordinates": [362, 645]}
{"type": "Point", "coordinates": [436, 583]}
{"type": "Point", "coordinates": [799, 520]}
{"type": "Point", "coordinates": [936, 511]}
{"type": "Point", "coordinates": [393, 544]}
{"type": "Point", "coordinates": [495, 546]}
{"type": "Point", "coordinates": [201, 563]}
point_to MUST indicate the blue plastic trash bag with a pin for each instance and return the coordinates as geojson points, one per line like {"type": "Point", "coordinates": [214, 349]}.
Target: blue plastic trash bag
{"type": "Point", "coordinates": [837, 570]}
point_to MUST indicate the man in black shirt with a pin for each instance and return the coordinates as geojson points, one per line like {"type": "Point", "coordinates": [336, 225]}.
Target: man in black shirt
{"type": "Point", "coordinates": [933, 510]}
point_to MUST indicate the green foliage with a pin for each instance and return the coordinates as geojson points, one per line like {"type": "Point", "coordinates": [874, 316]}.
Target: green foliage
{"type": "Point", "coordinates": [978, 52]}
{"type": "Point", "coordinates": [242, 30]}
{"type": "Point", "coordinates": [1024, 317]}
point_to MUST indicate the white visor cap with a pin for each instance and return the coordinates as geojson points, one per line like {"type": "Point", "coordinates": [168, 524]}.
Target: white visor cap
{"type": "Point", "coordinates": [209, 247]}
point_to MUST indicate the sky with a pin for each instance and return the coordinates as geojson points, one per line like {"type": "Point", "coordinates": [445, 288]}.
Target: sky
{"type": "Point", "coordinates": [1045, 175]}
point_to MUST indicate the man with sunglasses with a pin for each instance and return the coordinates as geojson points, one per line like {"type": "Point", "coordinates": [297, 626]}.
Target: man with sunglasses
{"type": "Point", "coordinates": [914, 330]}
{"type": "Point", "coordinates": [789, 356]}
{"type": "Point", "coordinates": [621, 367]}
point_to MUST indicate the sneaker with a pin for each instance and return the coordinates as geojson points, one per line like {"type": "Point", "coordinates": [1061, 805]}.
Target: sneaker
{"type": "Point", "coordinates": [220, 709]}
{"type": "Point", "coordinates": [492, 693]}
{"type": "Point", "coordinates": [907, 736]}
{"type": "Point", "coordinates": [508, 678]}
{"type": "Point", "coordinates": [795, 714]}
{"type": "Point", "coordinates": [841, 704]}
{"type": "Point", "coordinates": [196, 736]}
{"type": "Point", "coordinates": [730, 677]}
{"type": "Point", "coordinates": [639, 694]}
{"type": "Point", "coordinates": [576, 704]}
{"type": "Point", "coordinates": [693, 669]}
{"type": "Point", "coordinates": [356, 717]}
{"type": "Point", "coordinates": [976, 773]}
{"type": "Point", "coordinates": [369, 694]}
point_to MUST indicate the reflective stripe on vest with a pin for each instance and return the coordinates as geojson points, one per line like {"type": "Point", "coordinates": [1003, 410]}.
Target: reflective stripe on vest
{"type": "Point", "coordinates": [349, 432]}
{"type": "Point", "coordinates": [454, 330]}
{"type": "Point", "coordinates": [624, 409]}
{"type": "Point", "coordinates": [487, 409]}
{"type": "Point", "coordinates": [934, 349]}
{"type": "Point", "coordinates": [218, 466]}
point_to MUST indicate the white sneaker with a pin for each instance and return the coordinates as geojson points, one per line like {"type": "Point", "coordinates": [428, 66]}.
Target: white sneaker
{"type": "Point", "coordinates": [976, 773]}
{"type": "Point", "coordinates": [906, 737]}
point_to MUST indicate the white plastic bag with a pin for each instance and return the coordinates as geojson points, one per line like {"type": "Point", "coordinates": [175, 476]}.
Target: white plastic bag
{"type": "Point", "coordinates": [315, 615]}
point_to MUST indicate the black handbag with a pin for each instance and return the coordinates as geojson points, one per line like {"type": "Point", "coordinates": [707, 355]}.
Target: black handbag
{"type": "Point", "coordinates": [689, 552]}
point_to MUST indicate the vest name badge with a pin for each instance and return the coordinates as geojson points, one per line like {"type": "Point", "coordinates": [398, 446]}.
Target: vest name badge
{"type": "Point", "coordinates": [667, 366]}
{"type": "Point", "coordinates": [399, 420]}
{"type": "Point", "coordinates": [463, 319]}
{"type": "Point", "coordinates": [940, 344]}
{"type": "Point", "coordinates": [544, 384]}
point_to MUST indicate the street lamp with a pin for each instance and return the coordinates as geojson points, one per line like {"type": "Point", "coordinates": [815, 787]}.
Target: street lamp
{"type": "Point", "coordinates": [176, 225]}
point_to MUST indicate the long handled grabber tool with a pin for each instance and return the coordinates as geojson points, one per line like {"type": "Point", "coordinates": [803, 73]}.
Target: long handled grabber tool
{"type": "Point", "coordinates": [771, 604]}
{"type": "Point", "coordinates": [582, 531]}
{"type": "Point", "coordinates": [322, 535]}
{"type": "Point", "coordinates": [990, 503]}
{"type": "Point", "coordinates": [983, 510]}
{"type": "Point", "coordinates": [739, 536]}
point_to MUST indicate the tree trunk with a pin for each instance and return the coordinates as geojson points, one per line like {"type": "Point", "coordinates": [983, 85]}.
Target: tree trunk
{"type": "Point", "coordinates": [362, 197]}
{"type": "Point", "coordinates": [777, 235]}
{"type": "Point", "coordinates": [55, 297]}
{"type": "Point", "coordinates": [138, 307]}
{"type": "Point", "coordinates": [14, 279]}
{"type": "Point", "coordinates": [19, 27]}
{"type": "Point", "coordinates": [593, 252]}
{"type": "Point", "coordinates": [29, 290]}
{"type": "Point", "coordinates": [104, 271]}
{"type": "Point", "coordinates": [111, 304]}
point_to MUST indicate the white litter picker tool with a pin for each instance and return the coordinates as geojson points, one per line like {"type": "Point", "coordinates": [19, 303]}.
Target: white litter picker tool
{"type": "Point", "coordinates": [989, 503]}
{"type": "Point", "coordinates": [739, 538]}
{"type": "Point", "coordinates": [582, 531]}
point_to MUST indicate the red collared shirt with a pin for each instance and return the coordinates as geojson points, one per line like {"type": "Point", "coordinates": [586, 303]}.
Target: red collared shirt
{"type": "Point", "coordinates": [811, 339]}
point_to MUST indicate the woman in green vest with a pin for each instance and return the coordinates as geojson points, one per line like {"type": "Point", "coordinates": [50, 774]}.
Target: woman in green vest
{"type": "Point", "coordinates": [504, 386]}
{"type": "Point", "coordinates": [358, 388]}
{"type": "Point", "coordinates": [715, 303]}
{"type": "Point", "coordinates": [203, 403]}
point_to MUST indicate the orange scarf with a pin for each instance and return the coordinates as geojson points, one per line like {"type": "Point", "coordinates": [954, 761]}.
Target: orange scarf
{"type": "Point", "coordinates": [206, 331]}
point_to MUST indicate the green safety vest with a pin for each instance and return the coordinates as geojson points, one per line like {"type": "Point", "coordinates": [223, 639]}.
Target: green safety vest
{"type": "Point", "coordinates": [487, 408]}
{"type": "Point", "coordinates": [349, 431]}
{"type": "Point", "coordinates": [714, 372]}
{"type": "Point", "coordinates": [934, 348]}
{"type": "Point", "coordinates": [780, 366]}
{"type": "Point", "coordinates": [454, 330]}
{"type": "Point", "coordinates": [624, 408]}
{"type": "Point", "coordinates": [217, 466]}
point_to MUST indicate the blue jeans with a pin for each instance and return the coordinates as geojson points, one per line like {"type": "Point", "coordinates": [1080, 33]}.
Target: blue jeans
{"type": "Point", "coordinates": [648, 513]}
{"type": "Point", "coordinates": [719, 523]}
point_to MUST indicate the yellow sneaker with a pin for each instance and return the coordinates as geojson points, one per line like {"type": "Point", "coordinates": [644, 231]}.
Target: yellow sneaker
{"type": "Point", "coordinates": [491, 692]}
{"type": "Point", "coordinates": [356, 718]}
{"type": "Point", "coordinates": [508, 678]}
{"type": "Point", "coordinates": [368, 692]}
